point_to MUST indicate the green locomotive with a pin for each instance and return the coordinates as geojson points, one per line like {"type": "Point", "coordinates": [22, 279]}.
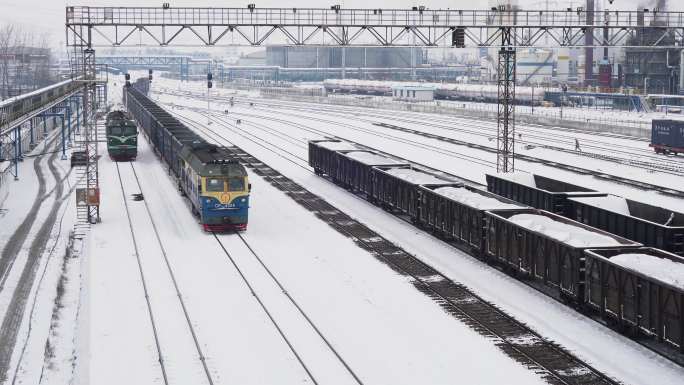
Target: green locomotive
{"type": "Point", "coordinates": [122, 137]}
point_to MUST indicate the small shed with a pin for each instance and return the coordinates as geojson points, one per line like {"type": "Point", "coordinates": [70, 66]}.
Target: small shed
{"type": "Point", "coordinates": [413, 93]}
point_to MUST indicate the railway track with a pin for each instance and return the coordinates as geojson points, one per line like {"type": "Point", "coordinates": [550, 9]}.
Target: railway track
{"type": "Point", "coordinates": [670, 354]}
{"type": "Point", "coordinates": [597, 174]}
{"type": "Point", "coordinates": [162, 250]}
{"type": "Point", "coordinates": [579, 170]}
{"type": "Point", "coordinates": [672, 192]}
{"type": "Point", "coordinates": [552, 362]}
{"type": "Point", "coordinates": [124, 197]}
{"type": "Point", "coordinates": [646, 159]}
{"type": "Point", "coordinates": [248, 249]}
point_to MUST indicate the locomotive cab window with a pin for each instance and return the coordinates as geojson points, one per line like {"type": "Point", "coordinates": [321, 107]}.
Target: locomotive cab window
{"type": "Point", "coordinates": [236, 184]}
{"type": "Point", "coordinates": [115, 130]}
{"type": "Point", "coordinates": [215, 185]}
{"type": "Point", "coordinates": [130, 130]}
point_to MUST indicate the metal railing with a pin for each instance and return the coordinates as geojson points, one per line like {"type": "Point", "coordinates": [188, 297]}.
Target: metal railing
{"type": "Point", "coordinates": [183, 16]}
{"type": "Point", "coordinates": [16, 110]}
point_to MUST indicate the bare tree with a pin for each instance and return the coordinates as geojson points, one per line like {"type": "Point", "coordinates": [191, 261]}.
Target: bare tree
{"type": "Point", "coordinates": [24, 61]}
{"type": "Point", "coordinates": [6, 40]}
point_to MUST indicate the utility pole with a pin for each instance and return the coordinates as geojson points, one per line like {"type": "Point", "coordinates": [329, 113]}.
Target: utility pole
{"type": "Point", "coordinates": [505, 159]}
{"type": "Point", "coordinates": [209, 85]}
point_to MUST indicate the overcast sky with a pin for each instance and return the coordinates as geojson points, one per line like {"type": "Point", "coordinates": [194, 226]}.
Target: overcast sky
{"type": "Point", "coordinates": [47, 16]}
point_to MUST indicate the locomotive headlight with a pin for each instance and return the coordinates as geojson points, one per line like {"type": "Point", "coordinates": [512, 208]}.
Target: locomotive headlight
{"type": "Point", "coordinates": [243, 200]}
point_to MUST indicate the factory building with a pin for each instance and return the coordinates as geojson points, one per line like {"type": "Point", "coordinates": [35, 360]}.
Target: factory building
{"type": "Point", "coordinates": [534, 66]}
{"type": "Point", "coordinates": [23, 69]}
{"type": "Point", "coordinates": [336, 57]}
{"type": "Point", "coordinates": [648, 69]}
{"type": "Point", "coordinates": [413, 93]}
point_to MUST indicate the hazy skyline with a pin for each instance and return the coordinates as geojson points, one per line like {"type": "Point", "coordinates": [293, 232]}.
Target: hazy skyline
{"type": "Point", "coordinates": [47, 16]}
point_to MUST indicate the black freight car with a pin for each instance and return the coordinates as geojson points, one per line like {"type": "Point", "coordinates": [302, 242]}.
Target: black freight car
{"type": "Point", "coordinates": [537, 191]}
{"type": "Point", "coordinates": [396, 188]}
{"type": "Point", "coordinates": [458, 213]}
{"type": "Point", "coordinates": [324, 158]}
{"type": "Point", "coordinates": [546, 247]}
{"type": "Point", "coordinates": [667, 136]}
{"type": "Point", "coordinates": [651, 225]}
{"type": "Point", "coordinates": [355, 169]}
{"type": "Point", "coordinates": [637, 290]}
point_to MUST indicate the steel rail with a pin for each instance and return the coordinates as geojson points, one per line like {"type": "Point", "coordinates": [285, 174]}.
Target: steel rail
{"type": "Point", "coordinates": [287, 294]}
{"type": "Point", "coordinates": [142, 277]}
{"type": "Point", "coordinates": [424, 275]}
{"type": "Point", "coordinates": [651, 347]}
{"type": "Point", "coordinates": [162, 248]}
{"type": "Point", "coordinates": [265, 309]}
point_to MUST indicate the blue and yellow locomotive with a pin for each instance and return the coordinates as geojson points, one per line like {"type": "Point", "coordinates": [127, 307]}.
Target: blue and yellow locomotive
{"type": "Point", "coordinates": [210, 176]}
{"type": "Point", "coordinates": [217, 186]}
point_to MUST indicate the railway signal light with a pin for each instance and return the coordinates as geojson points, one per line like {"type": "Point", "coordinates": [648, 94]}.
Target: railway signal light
{"type": "Point", "coordinates": [149, 75]}
{"type": "Point", "coordinates": [458, 37]}
{"type": "Point", "coordinates": [209, 84]}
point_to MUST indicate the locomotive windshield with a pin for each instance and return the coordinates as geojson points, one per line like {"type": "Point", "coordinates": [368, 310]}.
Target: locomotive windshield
{"type": "Point", "coordinates": [219, 184]}
{"type": "Point", "coordinates": [236, 184]}
{"type": "Point", "coordinates": [130, 130]}
{"type": "Point", "coordinates": [215, 184]}
{"type": "Point", "coordinates": [115, 130]}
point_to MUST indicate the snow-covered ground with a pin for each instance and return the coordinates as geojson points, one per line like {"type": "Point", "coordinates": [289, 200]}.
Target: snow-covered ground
{"type": "Point", "coordinates": [29, 289]}
{"type": "Point", "coordinates": [385, 330]}
{"type": "Point", "coordinates": [101, 329]}
{"type": "Point", "coordinates": [608, 351]}
{"type": "Point", "coordinates": [316, 122]}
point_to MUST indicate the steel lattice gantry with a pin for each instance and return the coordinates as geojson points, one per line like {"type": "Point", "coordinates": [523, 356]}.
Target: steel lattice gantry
{"type": "Point", "coordinates": [116, 26]}
{"type": "Point", "coordinates": [89, 27]}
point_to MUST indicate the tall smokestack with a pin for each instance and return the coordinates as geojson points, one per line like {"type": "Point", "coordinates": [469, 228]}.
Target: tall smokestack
{"type": "Point", "coordinates": [589, 42]}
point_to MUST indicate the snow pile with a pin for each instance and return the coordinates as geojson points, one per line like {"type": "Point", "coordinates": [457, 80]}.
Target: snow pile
{"type": "Point", "coordinates": [370, 158]}
{"type": "Point", "coordinates": [469, 198]}
{"type": "Point", "coordinates": [662, 269]}
{"type": "Point", "coordinates": [612, 203]}
{"type": "Point", "coordinates": [415, 177]}
{"type": "Point", "coordinates": [337, 146]}
{"type": "Point", "coordinates": [574, 236]}
{"type": "Point", "coordinates": [523, 178]}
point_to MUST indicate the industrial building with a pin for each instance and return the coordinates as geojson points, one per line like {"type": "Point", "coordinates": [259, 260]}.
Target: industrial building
{"type": "Point", "coordinates": [336, 57]}
{"type": "Point", "coordinates": [413, 93]}
{"type": "Point", "coordinates": [23, 69]}
{"type": "Point", "coordinates": [648, 69]}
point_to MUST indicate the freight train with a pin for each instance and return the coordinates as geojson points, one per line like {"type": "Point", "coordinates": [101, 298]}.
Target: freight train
{"type": "Point", "coordinates": [526, 231]}
{"type": "Point", "coordinates": [667, 136]}
{"type": "Point", "coordinates": [209, 176]}
{"type": "Point", "coordinates": [445, 91]}
{"type": "Point", "coordinates": [488, 93]}
{"type": "Point", "coordinates": [122, 137]}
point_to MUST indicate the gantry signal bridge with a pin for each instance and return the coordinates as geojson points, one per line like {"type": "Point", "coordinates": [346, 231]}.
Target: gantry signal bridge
{"type": "Point", "coordinates": [91, 27]}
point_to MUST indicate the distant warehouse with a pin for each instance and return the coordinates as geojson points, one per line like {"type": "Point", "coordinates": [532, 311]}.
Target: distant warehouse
{"type": "Point", "coordinates": [413, 93]}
